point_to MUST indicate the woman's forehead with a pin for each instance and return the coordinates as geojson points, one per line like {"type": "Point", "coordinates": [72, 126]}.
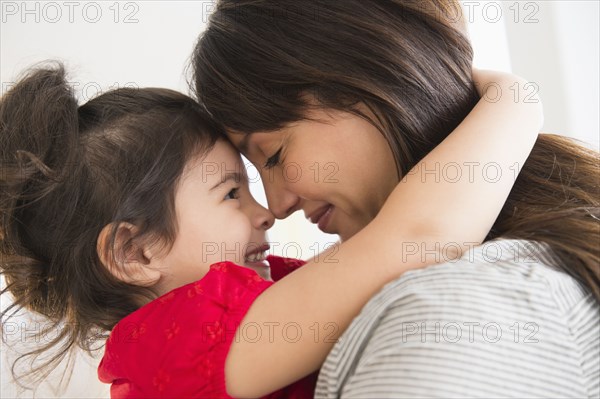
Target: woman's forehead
{"type": "Point", "coordinates": [239, 140]}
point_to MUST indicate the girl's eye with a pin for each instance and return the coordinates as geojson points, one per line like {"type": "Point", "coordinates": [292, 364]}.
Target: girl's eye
{"type": "Point", "coordinates": [274, 160]}
{"type": "Point", "coordinates": [233, 193]}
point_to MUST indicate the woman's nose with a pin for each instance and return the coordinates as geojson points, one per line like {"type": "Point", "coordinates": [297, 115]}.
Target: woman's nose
{"type": "Point", "coordinates": [281, 202]}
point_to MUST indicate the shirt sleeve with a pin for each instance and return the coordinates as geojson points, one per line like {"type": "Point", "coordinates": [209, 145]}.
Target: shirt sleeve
{"type": "Point", "coordinates": [181, 339]}
{"type": "Point", "coordinates": [176, 346]}
{"type": "Point", "coordinates": [281, 267]}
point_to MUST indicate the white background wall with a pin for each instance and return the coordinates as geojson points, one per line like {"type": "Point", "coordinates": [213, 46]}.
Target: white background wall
{"type": "Point", "coordinates": [108, 44]}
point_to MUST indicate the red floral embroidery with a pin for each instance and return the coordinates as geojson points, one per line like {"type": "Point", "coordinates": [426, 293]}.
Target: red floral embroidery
{"type": "Point", "coordinates": [220, 266]}
{"type": "Point", "coordinates": [213, 332]}
{"type": "Point", "coordinates": [236, 293]}
{"type": "Point", "coordinates": [167, 297]}
{"type": "Point", "coordinates": [137, 330]}
{"type": "Point", "coordinates": [206, 368]}
{"type": "Point", "coordinates": [194, 290]}
{"type": "Point", "coordinates": [172, 330]}
{"type": "Point", "coordinates": [161, 380]}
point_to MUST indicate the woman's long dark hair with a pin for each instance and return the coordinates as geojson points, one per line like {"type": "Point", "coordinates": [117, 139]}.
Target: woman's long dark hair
{"type": "Point", "coordinates": [66, 173]}
{"type": "Point", "coordinates": [411, 64]}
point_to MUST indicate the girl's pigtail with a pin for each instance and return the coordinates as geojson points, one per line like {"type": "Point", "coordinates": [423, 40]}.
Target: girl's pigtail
{"type": "Point", "coordinates": [67, 172]}
{"type": "Point", "coordinates": [38, 152]}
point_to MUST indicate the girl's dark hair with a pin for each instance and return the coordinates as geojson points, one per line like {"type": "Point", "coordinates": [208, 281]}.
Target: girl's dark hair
{"type": "Point", "coordinates": [66, 173]}
{"type": "Point", "coordinates": [410, 63]}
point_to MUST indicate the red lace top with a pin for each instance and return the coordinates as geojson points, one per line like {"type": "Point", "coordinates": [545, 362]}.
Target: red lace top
{"type": "Point", "coordinates": [176, 345]}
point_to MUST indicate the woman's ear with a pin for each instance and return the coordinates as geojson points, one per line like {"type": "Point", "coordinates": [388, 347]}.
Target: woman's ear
{"type": "Point", "coordinates": [129, 260]}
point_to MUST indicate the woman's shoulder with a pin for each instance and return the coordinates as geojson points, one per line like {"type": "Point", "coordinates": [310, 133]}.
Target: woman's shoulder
{"type": "Point", "coordinates": [511, 269]}
{"type": "Point", "coordinates": [500, 321]}
{"type": "Point", "coordinates": [504, 284]}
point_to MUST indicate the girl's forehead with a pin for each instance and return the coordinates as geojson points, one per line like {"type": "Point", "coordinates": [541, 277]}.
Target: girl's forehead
{"type": "Point", "coordinates": [222, 159]}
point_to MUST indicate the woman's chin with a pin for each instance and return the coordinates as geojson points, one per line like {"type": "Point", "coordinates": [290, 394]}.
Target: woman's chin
{"type": "Point", "coordinates": [347, 231]}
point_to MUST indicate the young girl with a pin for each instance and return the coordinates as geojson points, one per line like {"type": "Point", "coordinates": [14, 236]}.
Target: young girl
{"type": "Point", "coordinates": [130, 214]}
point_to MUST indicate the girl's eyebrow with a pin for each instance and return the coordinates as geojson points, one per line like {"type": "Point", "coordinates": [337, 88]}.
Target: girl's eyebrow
{"type": "Point", "coordinates": [235, 176]}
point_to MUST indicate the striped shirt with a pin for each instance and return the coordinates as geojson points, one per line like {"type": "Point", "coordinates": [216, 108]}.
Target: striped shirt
{"type": "Point", "coordinates": [498, 322]}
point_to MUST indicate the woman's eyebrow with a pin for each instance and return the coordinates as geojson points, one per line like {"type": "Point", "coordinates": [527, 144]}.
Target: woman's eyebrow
{"type": "Point", "coordinates": [235, 176]}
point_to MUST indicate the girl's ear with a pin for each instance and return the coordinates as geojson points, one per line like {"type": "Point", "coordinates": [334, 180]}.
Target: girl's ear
{"type": "Point", "coordinates": [128, 260]}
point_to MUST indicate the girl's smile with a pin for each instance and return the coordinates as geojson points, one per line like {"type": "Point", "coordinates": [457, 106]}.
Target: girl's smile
{"type": "Point", "coordinates": [217, 218]}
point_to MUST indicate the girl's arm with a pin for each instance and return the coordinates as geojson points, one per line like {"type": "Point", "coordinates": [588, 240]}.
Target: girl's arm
{"type": "Point", "coordinates": [433, 208]}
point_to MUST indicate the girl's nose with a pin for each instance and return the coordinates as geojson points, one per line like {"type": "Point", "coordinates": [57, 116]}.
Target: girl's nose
{"type": "Point", "coordinates": [262, 218]}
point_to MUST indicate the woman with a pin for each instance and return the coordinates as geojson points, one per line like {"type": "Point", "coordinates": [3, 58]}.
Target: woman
{"type": "Point", "coordinates": [274, 73]}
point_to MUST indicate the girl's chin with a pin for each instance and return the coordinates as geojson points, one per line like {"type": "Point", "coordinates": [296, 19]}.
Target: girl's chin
{"type": "Point", "coordinates": [261, 268]}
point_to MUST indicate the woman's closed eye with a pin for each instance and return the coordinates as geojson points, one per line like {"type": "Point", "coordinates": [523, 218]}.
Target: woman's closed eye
{"type": "Point", "coordinates": [274, 160]}
{"type": "Point", "coordinates": [233, 193]}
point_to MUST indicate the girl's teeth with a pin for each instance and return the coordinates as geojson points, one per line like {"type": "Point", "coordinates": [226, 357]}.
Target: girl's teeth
{"type": "Point", "coordinates": [256, 257]}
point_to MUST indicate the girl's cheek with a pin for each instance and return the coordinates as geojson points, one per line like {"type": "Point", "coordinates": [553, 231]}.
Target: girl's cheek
{"type": "Point", "coordinates": [241, 220]}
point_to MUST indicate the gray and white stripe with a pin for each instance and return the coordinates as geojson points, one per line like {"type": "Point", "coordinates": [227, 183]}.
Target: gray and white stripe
{"type": "Point", "coordinates": [500, 322]}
